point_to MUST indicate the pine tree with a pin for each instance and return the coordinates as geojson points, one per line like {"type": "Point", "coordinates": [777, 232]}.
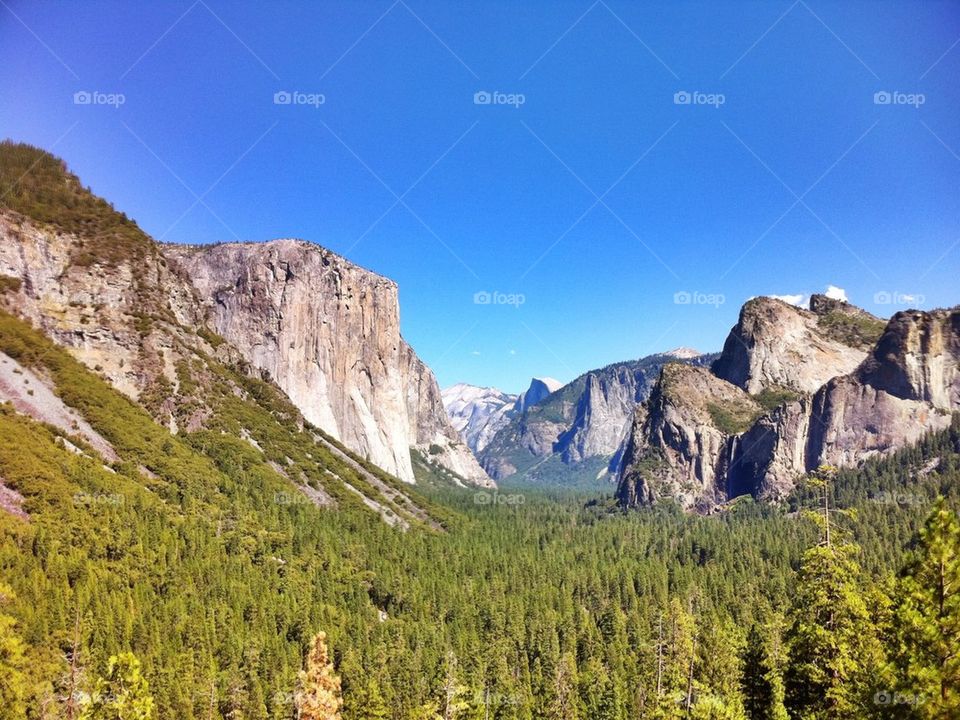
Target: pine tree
{"type": "Point", "coordinates": [762, 680]}
{"type": "Point", "coordinates": [13, 683]}
{"type": "Point", "coordinates": [834, 654]}
{"type": "Point", "coordinates": [122, 694]}
{"type": "Point", "coordinates": [928, 618]}
{"type": "Point", "coordinates": [453, 701]}
{"type": "Point", "coordinates": [318, 692]}
{"type": "Point", "coordinates": [564, 702]}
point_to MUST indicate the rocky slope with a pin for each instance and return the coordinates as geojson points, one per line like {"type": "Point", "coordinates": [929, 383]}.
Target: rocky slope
{"type": "Point", "coordinates": [577, 432]}
{"type": "Point", "coordinates": [323, 329]}
{"type": "Point", "coordinates": [775, 344]}
{"type": "Point", "coordinates": [903, 386]}
{"type": "Point", "coordinates": [328, 333]}
{"type": "Point", "coordinates": [477, 413]}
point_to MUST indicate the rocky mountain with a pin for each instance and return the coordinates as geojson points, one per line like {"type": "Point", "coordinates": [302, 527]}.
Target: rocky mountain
{"type": "Point", "coordinates": [328, 333]}
{"type": "Point", "coordinates": [477, 413]}
{"type": "Point", "coordinates": [147, 318]}
{"type": "Point", "coordinates": [786, 396]}
{"type": "Point", "coordinates": [540, 389]}
{"type": "Point", "coordinates": [576, 432]}
{"type": "Point", "coordinates": [775, 344]}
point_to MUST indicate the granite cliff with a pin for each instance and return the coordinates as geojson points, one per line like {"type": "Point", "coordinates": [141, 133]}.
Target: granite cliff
{"type": "Point", "coordinates": [792, 390]}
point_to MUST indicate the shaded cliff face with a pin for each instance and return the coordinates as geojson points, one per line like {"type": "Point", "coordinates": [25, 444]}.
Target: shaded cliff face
{"type": "Point", "coordinates": [328, 333]}
{"type": "Point", "coordinates": [578, 431]}
{"type": "Point", "coordinates": [680, 439]}
{"type": "Point", "coordinates": [775, 344]}
{"type": "Point", "coordinates": [908, 385]}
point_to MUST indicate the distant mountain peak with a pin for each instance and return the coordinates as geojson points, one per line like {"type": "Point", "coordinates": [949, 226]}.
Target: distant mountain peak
{"type": "Point", "coordinates": [540, 388]}
{"type": "Point", "coordinates": [683, 353]}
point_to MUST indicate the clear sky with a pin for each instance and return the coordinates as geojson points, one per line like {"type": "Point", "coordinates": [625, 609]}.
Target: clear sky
{"type": "Point", "coordinates": [585, 188]}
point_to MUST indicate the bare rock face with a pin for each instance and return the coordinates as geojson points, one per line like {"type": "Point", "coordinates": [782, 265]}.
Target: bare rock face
{"type": "Point", "coordinates": [540, 389]}
{"type": "Point", "coordinates": [603, 414]}
{"type": "Point", "coordinates": [110, 315]}
{"type": "Point", "coordinates": [328, 333]}
{"type": "Point", "coordinates": [908, 385]}
{"type": "Point", "coordinates": [769, 458]}
{"type": "Point", "coordinates": [775, 344]}
{"type": "Point", "coordinates": [680, 441]}
{"type": "Point", "coordinates": [579, 431]}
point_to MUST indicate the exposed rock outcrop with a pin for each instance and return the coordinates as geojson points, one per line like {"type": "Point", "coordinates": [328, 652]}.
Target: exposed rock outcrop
{"type": "Point", "coordinates": [540, 389]}
{"type": "Point", "coordinates": [328, 333]}
{"type": "Point", "coordinates": [908, 385]}
{"type": "Point", "coordinates": [775, 344]}
{"type": "Point", "coordinates": [578, 431]}
{"type": "Point", "coordinates": [679, 444]}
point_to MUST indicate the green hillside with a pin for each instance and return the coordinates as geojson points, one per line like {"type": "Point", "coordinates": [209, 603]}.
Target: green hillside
{"type": "Point", "coordinates": [198, 557]}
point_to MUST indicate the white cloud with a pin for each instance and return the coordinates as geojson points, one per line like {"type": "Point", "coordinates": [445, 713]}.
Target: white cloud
{"type": "Point", "coordinates": [835, 293]}
{"type": "Point", "coordinates": [475, 353]}
{"type": "Point", "coordinates": [799, 300]}
{"type": "Point", "coordinates": [513, 352]}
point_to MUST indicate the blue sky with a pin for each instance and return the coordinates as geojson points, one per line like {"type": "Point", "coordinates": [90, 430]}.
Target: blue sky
{"type": "Point", "coordinates": [585, 199]}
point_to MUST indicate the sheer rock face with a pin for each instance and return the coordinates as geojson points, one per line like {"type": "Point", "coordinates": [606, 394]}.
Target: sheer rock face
{"type": "Point", "coordinates": [603, 413]}
{"type": "Point", "coordinates": [775, 344]}
{"type": "Point", "coordinates": [583, 424]}
{"type": "Point", "coordinates": [907, 386]}
{"type": "Point", "coordinates": [328, 333]}
{"type": "Point", "coordinates": [676, 448]}
{"type": "Point", "coordinates": [540, 389]}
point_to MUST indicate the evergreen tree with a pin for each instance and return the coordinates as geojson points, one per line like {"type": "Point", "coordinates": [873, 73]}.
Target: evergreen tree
{"type": "Point", "coordinates": [928, 618]}
{"type": "Point", "coordinates": [834, 655]}
{"type": "Point", "coordinates": [122, 694]}
{"type": "Point", "coordinates": [318, 691]}
{"type": "Point", "coordinates": [13, 682]}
